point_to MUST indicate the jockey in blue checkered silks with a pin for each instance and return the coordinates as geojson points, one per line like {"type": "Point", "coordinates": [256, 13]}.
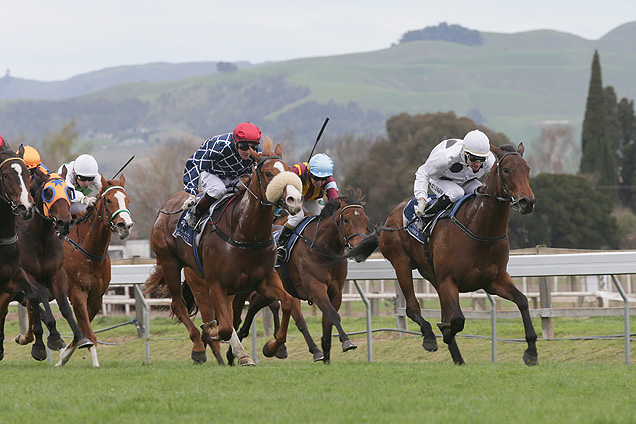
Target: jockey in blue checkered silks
{"type": "Point", "coordinates": [217, 165]}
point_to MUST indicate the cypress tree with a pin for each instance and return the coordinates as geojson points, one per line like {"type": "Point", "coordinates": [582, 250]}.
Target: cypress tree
{"type": "Point", "coordinates": [598, 157]}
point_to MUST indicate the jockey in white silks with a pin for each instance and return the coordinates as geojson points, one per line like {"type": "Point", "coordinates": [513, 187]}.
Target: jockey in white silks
{"type": "Point", "coordinates": [83, 175]}
{"type": "Point", "coordinates": [451, 171]}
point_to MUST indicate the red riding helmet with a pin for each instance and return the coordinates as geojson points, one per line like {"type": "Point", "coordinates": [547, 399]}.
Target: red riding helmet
{"type": "Point", "coordinates": [247, 132]}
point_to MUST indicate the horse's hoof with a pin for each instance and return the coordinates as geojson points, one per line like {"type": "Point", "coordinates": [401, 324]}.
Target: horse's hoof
{"type": "Point", "coordinates": [267, 351]}
{"type": "Point", "coordinates": [318, 356]}
{"type": "Point", "coordinates": [348, 345]}
{"type": "Point", "coordinates": [198, 357]}
{"type": "Point", "coordinates": [282, 352]}
{"type": "Point", "coordinates": [430, 345]}
{"type": "Point", "coordinates": [21, 340]}
{"type": "Point", "coordinates": [246, 361]}
{"type": "Point", "coordinates": [38, 354]}
{"type": "Point", "coordinates": [84, 343]}
{"type": "Point", "coordinates": [530, 359]}
{"type": "Point", "coordinates": [55, 343]}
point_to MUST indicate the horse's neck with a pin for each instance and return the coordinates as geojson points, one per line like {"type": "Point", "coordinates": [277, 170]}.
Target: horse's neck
{"type": "Point", "coordinates": [39, 227]}
{"type": "Point", "coordinates": [486, 213]}
{"type": "Point", "coordinates": [327, 235]}
{"type": "Point", "coordinates": [251, 219]}
{"type": "Point", "coordinates": [7, 221]}
{"type": "Point", "coordinates": [93, 234]}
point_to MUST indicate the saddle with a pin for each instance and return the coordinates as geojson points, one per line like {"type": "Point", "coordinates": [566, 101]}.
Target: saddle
{"type": "Point", "coordinates": [415, 226]}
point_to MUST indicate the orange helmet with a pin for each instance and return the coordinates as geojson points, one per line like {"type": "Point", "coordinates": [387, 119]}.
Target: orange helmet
{"type": "Point", "coordinates": [31, 157]}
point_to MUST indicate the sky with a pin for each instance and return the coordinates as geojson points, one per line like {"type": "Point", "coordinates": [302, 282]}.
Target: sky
{"type": "Point", "coordinates": [55, 40]}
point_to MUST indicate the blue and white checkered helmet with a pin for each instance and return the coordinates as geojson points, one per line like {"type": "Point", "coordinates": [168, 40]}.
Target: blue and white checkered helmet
{"type": "Point", "coordinates": [321, 165]}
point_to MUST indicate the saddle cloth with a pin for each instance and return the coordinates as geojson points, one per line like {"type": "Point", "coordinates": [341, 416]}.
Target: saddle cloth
{"type": "Point", "coordinates": [416, 228]}
{"type": "Point", "coordinates": [294, 237]}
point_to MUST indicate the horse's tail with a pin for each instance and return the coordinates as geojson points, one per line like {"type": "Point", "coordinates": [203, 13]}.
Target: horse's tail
{"type": "Point", "coordinates": [156, 283]}
{"type": "Point", "coordinates": [366, 247]}
{"type": "Point", "coordinates": [188, 296]}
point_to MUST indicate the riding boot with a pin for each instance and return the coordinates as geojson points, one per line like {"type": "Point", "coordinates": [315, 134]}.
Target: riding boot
{"type": "Point", "coordinates": [283, 238]}
{"type": "Point", "coordinates": [434, 208]}
{"type": "Point", "coordinates": [199, 210]}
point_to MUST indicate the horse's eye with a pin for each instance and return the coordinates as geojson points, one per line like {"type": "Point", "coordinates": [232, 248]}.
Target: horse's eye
{"type": "Point", "coordinates": [47, 194]}
{"type": "Point", "coordinates": [506, 171]}
{"type": "Point", "coordinates": [268, 174]}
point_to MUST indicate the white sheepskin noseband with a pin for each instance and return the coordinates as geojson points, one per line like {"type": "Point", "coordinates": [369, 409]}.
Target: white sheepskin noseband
{"type": "Point", "coordinates": [275, 187]}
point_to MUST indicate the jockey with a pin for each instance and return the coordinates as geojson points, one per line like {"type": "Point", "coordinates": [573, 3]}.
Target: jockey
{"type": "Point", "coordinates": [82, 175]}
{"type": "Point", "coordinates": [218, 164]}
{"type": "Point", "coordinates": [451, 171]}
{"type": "Point", "coordinates": [317, 178]}
{"type": "Point", "coordinates": [33, 161]}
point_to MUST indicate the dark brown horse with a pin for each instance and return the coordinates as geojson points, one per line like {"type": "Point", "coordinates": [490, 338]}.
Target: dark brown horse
{"type": "Point", "coordinates": [86, 258]}
{"type": "Point", "coordinates": [42, 255]}
{"type": "Point", "coordinates": [317, 272]}
{"type": "Point", "coordinates": [466, 254]}
{"type": "Point", "coordinates": [15, 200]}
{"type": "Point", "coordinates": [237, 252]}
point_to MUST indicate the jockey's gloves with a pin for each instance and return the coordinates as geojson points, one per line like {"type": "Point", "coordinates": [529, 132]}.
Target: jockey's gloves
{"type": "Point", "coordinates": [421, 207]}
{"type": "Point", "coordinates": [89, 201]}
{"type": "Point", "coordinates": [189, 202]}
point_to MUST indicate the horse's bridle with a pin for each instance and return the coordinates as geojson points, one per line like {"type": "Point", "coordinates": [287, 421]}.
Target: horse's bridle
{"type": "Point", "coordinates": [508, 198]}
{"type": "Point", "coordinates": [3, 190]}
{"type": "Point", "coordinates": [259, 176]}
{"type": "Point", "coordinates": [338, 223]}
{"type": "Point", "coordinates": [106, 211]}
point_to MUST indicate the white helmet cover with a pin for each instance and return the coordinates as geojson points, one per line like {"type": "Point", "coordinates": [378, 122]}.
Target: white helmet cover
{"type": "Point", "coordinates": [321, 165]}
{"type": "Point", "coordinates": [477, 143]}
{"type": "Point", "coordinates": [86, 166]}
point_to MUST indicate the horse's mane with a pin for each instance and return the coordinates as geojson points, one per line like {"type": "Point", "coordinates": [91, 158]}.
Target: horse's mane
{"type": "Point", "coordinates": [351, 196]}
{"type": "Point", "coordinates": [508, 148]}
{"type": "Point", "coordinates": [268, 146]}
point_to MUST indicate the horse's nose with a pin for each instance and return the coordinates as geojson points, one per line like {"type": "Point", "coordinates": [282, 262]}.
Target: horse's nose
{"type": "Point", "coordinates": [24, 212]}
{"type": "Point", "coordinates": [124, 226]}
{"type": "Point", "coordinates": [526, 205]}
{"type": "Point", "coordinates": [64, 227]}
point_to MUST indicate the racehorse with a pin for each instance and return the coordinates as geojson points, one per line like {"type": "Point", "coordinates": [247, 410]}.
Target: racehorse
{"type": "Point", "coordinates": [237, 252]}
{"type": "Point", "coordinates": [42, 255]}
{"type": "Point", "coordinates": [15, 200]}
{"type": "Point", "coordinates": [465, 253]}
{"type": "Point", "coordinates": [316, 270]}
{"type": "Point", "coordinates": [86, 258]}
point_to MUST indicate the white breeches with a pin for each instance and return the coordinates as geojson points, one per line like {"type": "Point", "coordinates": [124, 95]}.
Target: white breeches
{"type": "Point", "coordinates": [213, 185]}
{"type": "Point", "coordinates": [453, 190]}
{"type": "Point", "coordinates": [311, 207]}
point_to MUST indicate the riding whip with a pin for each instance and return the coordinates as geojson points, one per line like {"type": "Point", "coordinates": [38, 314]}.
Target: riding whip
{"type": "Point", "coordinates": [318, 138]}
{"type": "Point", "coordinates": [122, 168]}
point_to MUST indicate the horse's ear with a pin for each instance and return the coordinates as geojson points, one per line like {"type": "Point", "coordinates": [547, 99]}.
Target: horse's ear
{"type": "Point", "coordinates": [21, 151]}
{"type": "Point", "coordinates": [122, 180]}
{"type": "Point", "coordinates": [104, 181]}
{"type": "Point", "coordinates": [278, 150]}
{"type": "Point", "coordinates": [64, 172]}
{"type": "Point", "coordinates": [521, 149]}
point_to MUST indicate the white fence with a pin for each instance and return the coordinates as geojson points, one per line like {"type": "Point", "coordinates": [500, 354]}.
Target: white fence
{"type": "Point", "coordinates": [605, 264]}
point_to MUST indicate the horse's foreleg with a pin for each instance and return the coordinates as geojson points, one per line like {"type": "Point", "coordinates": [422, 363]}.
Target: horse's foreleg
{"type": "Point", "coordinates": [59, 284]}
{"type": "Point", "coordinates": [506, 288]}
{"type": "Point", "coordinates": [452, 318]}
{"type": "Point", "coordinates": [299, 319]}
{"type": "Point", "coordinates": [329, 308]}
{"type": "Point", "coordinates": [273, 289]}
{"type": "Point", "coordinates": [209, 329]}
{"type": "Point", "coordinates": [5, 298]}
{"type": "Point", "coordinates": [38, 351]}
{"type": "Point", "coordinates": [239, 351]}
{"type": "Point", "coordinates": [404, 276]}
{"type": "Point", "coordinates": [79, 299]}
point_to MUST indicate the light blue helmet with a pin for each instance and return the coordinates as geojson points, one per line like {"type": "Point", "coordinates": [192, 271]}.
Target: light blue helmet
{"type": "Point", "coordinates": [321, 165]}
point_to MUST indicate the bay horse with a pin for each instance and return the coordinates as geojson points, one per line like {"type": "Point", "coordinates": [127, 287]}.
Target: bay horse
{"type": "Point", "coordinates": [42, 254]}
{"type": "Point", "coordinates": [466, 253]}
{"type": "Point", "coordinates": [317, 271]}
{"type": "Point", "coordinates": [86, 258]}
{"type": "Point", "coordinates": [15, 201]}
{"type": "Point", "coordinates": [237, 252]}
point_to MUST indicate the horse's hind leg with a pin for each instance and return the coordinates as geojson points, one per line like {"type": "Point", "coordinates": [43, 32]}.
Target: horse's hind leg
{"type": "Point", "coordinates": [84, 316]}
{"type": "Point", "coordinates": [506, 288]}
{"type": "Point", "coordinates": [404, 276]}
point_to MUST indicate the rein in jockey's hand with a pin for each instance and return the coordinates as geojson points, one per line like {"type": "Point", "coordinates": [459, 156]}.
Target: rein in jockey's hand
{"type": "Point", "coordinates": [189, 202]}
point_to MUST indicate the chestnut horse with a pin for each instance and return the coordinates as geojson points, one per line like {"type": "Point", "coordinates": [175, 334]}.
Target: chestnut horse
{"type": "Point", "coordinates": [86, 258]}
{"type": "Point", "coordinates": [237, 252]}
{"type": "Point", "coordinates": [15, 200]}
{"type": "Point", "coordinates": [465, 253]}
{"type": "Point", "coordinates": [42, 255]}
{"type": "Point", "coordinates": [317, 271]}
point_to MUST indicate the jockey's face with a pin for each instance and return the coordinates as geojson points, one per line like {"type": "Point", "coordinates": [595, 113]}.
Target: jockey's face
{"type": "Point", "coordinates": [474, 165]}
{"type": "Point", "coordinates": [317, 181]}
{"type": "Point", "coordinates": [84, 181]}
{"type": "Point", "coordinates": [244, 149]}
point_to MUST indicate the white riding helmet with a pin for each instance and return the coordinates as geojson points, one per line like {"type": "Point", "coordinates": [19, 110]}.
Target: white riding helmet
{"type": "Point", "coordinates": [321, 166]}
{"type": "Point", "coordinates": [477, 143]}
{"type": "Point", "coordinates": [86, 166]}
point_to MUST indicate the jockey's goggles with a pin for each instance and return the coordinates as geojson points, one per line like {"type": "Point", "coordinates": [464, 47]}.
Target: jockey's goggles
{"type": "Point", "coordinates": [473, 158]}
{"type": "Point", "coordinates": [83, 178]}
{"type": "Point", "coordinates": [319, 178]}
{"type": "Point", "coordinates": [245, 145]}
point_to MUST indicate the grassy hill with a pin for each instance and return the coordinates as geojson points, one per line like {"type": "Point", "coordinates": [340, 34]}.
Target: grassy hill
{"type": "Point", "coordinates": [515, 82]}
